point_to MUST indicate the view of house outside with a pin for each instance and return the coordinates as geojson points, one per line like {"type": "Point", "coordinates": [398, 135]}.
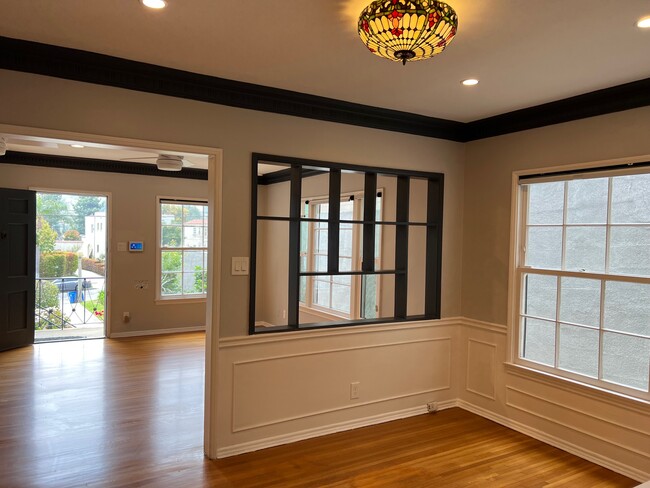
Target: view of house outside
{"type": "Point", "coordinates": [70, 266]}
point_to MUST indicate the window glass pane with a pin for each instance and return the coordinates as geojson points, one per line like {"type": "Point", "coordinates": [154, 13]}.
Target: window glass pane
{"type": "Point", "coordinates": [320, 239]}
{"type": "Point", "coordinates": [303, 289]}
{"type": "Point", "coordinates": [630, 251]}
{"type": "Point", "coordinates": [627, 307]}
{"type": "Point", "coordinates": [347, 209]}
{"type": "Point", "coordinates": [538, 341]}
{"type": "Point", "coordinates": [320, 263]}
{"type": "Point", "coordinates": [416, 285]}
{"type": "Point", "coordinates": [580, 301]}
{"type": "Point", "coordinates": [345, 264]}
{"type": "Point", "coordinates": [192, 261]}
{"type": "Point", "coordinates": [271, 273]}
{"type": "Point", "coordinates": [193, 215]}
{"type": "Point", "coordinates": [544, 249]}
{"type": "Point", "coordinates": [418, 194]}
{"type": "Point", "coordinates": [626, 360]}
{"type": "Point", "coordinates": [193, 282]}
{"type": "Point", "coordinates": [585, 249]}
{"type": "Point", "coordinates": [369, 293]}
{"type": "Point", "coordinates": [193, 236]}
{"type": "Point", "coordinates": [546, 203]}
{"type": "Point", "coordinates": [388, 187]}
{"type": "Point", "coordinates": [273, 190]}
{"type": "Point", "coordinates": [171, 214]}
{"type": "Point", "coordinates": [171, 236]}
{"type": "Point", "coordinates": [172, 261]}
{"type": "Point", "coordinates": [341, 297]}
{"type": "Point", "coordinates": [345, 240]}
{"type": "Point", "coordinates": [171, 284]}
{"type": "Point", "coordinates": [321, 292]}
{"type": "Point", "coordinates": [587, 201]}
{"type": "Point", "coordinates": [631, 199]}
{"type": "Point", "coordinates": [540, 296]}
{"type": "Point", "coordinates": [579, 350]}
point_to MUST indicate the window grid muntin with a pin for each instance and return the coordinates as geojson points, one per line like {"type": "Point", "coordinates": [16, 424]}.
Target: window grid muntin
{"type": "Point", "coordinates": [524, 270]}
{"type": "Point", "coordinates": [295, 167]}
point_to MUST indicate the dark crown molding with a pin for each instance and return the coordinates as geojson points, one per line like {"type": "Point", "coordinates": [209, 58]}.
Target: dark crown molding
{"type": "Point", "coordinates": [84, 66]}
{"type": "Point", "coordinates": [101, 165]}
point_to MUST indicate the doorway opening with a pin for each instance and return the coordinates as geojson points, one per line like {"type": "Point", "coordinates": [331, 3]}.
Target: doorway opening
{"type": "Point", "coordinates": [71, 266]}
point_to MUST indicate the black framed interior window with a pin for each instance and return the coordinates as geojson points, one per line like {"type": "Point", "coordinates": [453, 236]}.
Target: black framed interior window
{"type": "Point", "coordinates": [336, 245]}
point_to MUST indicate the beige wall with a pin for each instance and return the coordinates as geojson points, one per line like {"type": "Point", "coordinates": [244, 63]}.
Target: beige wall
{"type": "Point", "coordinates": [37, 101]}
{"type": "Point", "coordinates": [132, 217]}
{"type": "Point", "coordinates": [488, 179]}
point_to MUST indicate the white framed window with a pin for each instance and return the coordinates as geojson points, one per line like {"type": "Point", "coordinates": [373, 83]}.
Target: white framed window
{"type": "Point", "coordinates": [582, 278]}
{"type": "Point", "coordinates": [335, 294]}
{"type": "Point", "coordinates": [182, 248]}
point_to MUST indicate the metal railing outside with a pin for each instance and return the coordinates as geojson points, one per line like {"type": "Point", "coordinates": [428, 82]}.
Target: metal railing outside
{"type": "Point", "coordinates": [60, 305]}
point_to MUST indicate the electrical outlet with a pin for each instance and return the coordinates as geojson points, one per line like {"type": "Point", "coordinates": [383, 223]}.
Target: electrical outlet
{"type": "Point", "coordinates": [432, 407]}
{"type": "Point", "coordinates": [354, 390]}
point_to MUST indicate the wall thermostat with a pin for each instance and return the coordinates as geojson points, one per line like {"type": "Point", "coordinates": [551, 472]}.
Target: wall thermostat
{"type": "Point", "coordinates": [136, 246]}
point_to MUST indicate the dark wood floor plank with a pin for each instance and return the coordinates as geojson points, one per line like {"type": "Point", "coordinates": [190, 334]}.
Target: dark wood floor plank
{"type": "Point", "coordinates": [129, 413]}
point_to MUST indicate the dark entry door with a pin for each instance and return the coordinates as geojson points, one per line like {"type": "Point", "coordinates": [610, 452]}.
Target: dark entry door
{"type": "Point", "coordinates": [17, 267]}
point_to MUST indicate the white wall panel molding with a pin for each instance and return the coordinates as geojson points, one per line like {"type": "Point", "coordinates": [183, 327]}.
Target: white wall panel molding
{"type": "Point", "coordinates": [574, 387]}
{"type": "Point", "coordinates": [577, 450]}
{"type": "Point", "coordinates": [244, 341]}
{"type": "Point", "coordinates": [481, 368]}
{"type": "Point", "coordinates": [488, 326]}
{"type": "Point", "coordinates": [314, 383]}
{"type": "Point", "coordinates": [511, 393]}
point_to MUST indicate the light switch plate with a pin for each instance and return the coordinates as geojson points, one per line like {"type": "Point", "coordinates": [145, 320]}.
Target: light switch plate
{"type": "Point", "coordinates": [239, 266]}
{"type": "Point", "coordinates": [121, 246]}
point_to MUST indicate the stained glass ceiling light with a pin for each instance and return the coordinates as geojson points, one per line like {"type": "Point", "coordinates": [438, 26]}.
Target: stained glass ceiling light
{"type": "Point", "coordinates": [404, 30]}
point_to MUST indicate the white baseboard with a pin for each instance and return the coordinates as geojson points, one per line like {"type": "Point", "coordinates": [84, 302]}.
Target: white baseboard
{"type": "Point", "coordinates": [325, 430]}
{"type": "Point", "coordinates": [625, 470]}
{"type": "Point", "coordinates": [138, 333]}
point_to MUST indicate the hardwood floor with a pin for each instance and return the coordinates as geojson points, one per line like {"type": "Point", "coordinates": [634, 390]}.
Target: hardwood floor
{"type": "Point", "coordinates": [129, 413]}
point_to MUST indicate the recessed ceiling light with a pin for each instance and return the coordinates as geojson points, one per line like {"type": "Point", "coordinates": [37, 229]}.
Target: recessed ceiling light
{"type": "Point", "coordinates": [154, 3]}
{"type": "Point", "coordinates": [470, 82]}
{"type": "Point", "coordinates": [644, 23]}
{"type": "Point", "coordinates": [77, 146]}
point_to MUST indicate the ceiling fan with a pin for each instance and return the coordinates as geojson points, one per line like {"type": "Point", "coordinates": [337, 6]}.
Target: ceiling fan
{"type": "Point", "coordinates": [165, 162]}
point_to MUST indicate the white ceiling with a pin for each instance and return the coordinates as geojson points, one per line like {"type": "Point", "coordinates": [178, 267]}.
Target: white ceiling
{"type": "Point", "coordinates": [91, 150]}
{"type": "Point", "coordinates": [525, 52]}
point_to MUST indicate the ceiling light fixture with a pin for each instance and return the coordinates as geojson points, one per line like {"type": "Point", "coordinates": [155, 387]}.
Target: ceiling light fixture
{"type": "Point", "coordinates": [470, 82]}
{"type": "Point", "coordinates": [407, 30]}
{"type": "Point", "coordinates": [157, 4]}
{"type": "Point", "coordinates": [644, 23]}
{"type": "Point", "coordinates": [77, 146]}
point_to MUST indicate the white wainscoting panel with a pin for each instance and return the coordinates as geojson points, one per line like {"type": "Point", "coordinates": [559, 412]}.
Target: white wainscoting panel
{"type": "Point", "coordinates": [276, 391]}
{"type": "Point", "coordinates": [481, 368]}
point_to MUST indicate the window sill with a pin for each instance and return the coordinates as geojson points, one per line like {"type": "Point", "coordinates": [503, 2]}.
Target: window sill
{"type": "Point", "coordinates": [584, 389]}
{"type": "Point", "coordinates": [179, 301]}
